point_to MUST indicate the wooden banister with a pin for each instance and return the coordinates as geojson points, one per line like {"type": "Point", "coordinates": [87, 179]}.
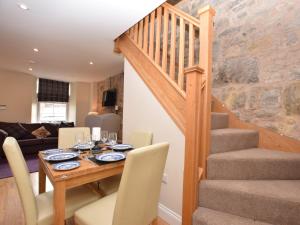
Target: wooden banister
{"type": "Point", "coordinates": [205, 54]}
{"type": "Point", "coordinates": [156, 47]}
{"type": "Point", "coordinates": [192, 142]}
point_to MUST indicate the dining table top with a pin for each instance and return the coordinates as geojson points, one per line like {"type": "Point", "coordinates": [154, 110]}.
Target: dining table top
{"type": "Point", "coordinates": [86, 167]}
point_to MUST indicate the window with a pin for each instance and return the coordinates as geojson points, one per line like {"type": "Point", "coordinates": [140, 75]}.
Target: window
{"type": "Point", "coordinates": [52, 111]}
{"type": "Point", "coordinates": [53, 97]}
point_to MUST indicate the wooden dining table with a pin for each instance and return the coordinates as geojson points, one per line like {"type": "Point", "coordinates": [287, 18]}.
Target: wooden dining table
{"type": "Point", "coordinates": [88, 172]}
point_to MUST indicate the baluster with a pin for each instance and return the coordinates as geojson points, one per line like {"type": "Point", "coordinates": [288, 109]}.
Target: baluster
{"type": "Point", "coordinates": [191, 44]}
{"type": "Point", "coordinates": [158, 33]}
{"type": "Point", "coordinates": [151, 41]}
{"type": "Point", "coordinates": [140, 41]}
{"type": "Point", "coordinates": [136, 30]}
{"type": "Point", "coordinates": [181, 53]}
{"type": "Point", "coordinates": [146, 30]}
{"type": "Point", "coordinates": [165, 40]}
{"type": "Point", "coordinates": [173, 46]}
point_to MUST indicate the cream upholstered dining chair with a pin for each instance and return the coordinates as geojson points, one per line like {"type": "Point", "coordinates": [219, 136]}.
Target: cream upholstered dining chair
{"type": "Point", "coordinates": [136, 201]}
{"type": "Point", "coordinates": [137, 139]}
{"type": "Point", "coordinates": [66, 136]}
{"type": "Point", "coordinates": [140, 139]}
{"type": "Point", "coordinates": [38, 210]}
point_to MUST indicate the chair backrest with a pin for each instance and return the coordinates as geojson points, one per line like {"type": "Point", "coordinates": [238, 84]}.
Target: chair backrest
{"type": "Point", "coordinates": [138, 195]}
{"type": "Point", "coordinates": [20, 171]}
{"type": "Point", "coordinates": [67, 136]}
{"type": "Point", "coordinates": [108, 121]}
{"type": "Point", "coordinates": [140, 139]}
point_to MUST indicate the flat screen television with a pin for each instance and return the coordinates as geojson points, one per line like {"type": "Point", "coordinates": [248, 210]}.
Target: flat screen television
{"type": "Point", "coordinates": [109, 97]}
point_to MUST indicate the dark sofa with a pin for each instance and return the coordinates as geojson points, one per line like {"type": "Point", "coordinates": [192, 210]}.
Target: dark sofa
{"type": "Point", "coordinates": [29, 144]}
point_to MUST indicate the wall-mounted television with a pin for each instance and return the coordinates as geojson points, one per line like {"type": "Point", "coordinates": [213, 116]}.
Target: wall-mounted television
{"type": "Point", "coordinates": [109, 97]}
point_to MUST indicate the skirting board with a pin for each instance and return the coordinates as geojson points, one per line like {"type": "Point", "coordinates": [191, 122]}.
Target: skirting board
{"type": "Point", "coordinates": [168, 215]}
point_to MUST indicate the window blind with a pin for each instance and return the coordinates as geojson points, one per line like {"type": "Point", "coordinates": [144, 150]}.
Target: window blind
{"type": "Point", "coordinates": [53, 91]}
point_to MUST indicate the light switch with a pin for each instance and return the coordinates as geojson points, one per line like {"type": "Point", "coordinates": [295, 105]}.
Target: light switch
{"type": "Point", "coordinates": [3, 107]}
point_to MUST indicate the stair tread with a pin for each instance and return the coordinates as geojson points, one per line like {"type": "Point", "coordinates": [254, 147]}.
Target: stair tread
{"type": "Point", "coordinates": [255, 163]}
{"type": "Point", "coordinates": [272, 201]}
{"type": "Point", "coordinates": [257, 153]}
{"type": "Point", "coordinates": [286, 190]}
{"type": "Point", "coordinates": [205, 216]}
{"type": "Point", "coordinates": [232, 131]}
{"type": "Point", "coordinates": [219, 113]}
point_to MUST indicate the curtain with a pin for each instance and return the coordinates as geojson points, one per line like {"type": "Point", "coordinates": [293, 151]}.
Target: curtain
{"type": "Point", "coordinates": [53, 91]}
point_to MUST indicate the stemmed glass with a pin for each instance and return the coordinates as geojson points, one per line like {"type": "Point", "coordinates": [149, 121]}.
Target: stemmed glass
{"type": "Point", "coordinates": [112, 137]}
{"type": "Point", "coordinates": [104, 136]}
{"type": "Point", "coordinates": [79, 141]}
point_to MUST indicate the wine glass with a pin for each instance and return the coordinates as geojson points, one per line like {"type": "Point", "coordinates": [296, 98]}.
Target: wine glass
{"type": "Point", "coordinates": [104, 136]}
{"type": "Point", "coordinates": [79, 141]}
{"type": "Point", "coordinates": [112, 137]}
{"type": "Point", "coordinates": [90, 142]}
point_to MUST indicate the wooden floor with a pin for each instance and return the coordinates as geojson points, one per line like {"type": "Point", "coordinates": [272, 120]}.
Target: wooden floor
{"type": "Point", "coordinates": [11, 212]}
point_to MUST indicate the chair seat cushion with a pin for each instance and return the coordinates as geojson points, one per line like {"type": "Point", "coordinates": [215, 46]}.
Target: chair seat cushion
{"type": "Point", "coordinates": [110, 185]}
{"type": "Point", "coordinates": [75, 199]}
{"type": "Point", "coordinates": [104, 209]}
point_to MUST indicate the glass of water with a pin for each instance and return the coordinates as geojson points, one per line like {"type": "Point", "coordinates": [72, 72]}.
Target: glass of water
{"type": "Point", "coordinates": [104, 136]}
{"type": "Point", "coordinates": [79, 140]}
{"type": "Point", "coordinates": [113, 137]}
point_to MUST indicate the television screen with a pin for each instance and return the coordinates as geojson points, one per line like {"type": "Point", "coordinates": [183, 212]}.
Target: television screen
{"type": "Point", "coordinates": [109, 97]}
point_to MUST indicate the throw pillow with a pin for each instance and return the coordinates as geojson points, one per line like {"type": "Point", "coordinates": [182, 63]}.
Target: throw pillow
{"type": "Point", "coordinates": [52, 128]}
{"type": "Point", "coordinates": [13, 130]}
{"type": "Point", "coordinates": [28, 134]}
{"type": "Point", "coordinates": [41, 132]}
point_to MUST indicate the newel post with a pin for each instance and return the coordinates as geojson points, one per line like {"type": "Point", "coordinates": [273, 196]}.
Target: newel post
{"type": "Point", "coordinates": [206, 15]}
{"type": "Point", "coordinates": [194, 82]}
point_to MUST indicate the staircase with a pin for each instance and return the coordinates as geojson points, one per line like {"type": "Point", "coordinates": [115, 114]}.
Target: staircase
{"type": "Point", "coordinates": [230, 176]}
{"type": "Point", "coordinates": [247, 185]}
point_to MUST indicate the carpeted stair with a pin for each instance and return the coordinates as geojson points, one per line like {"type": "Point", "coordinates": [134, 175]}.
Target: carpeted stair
{"type": "Point", "coordinates": [247, 185]}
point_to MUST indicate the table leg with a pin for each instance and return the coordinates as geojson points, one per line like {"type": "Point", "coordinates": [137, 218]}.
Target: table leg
{"type": "Point", "coordinates": [42, 179]}
{"type": "Point", "coordinates": [59, 201]}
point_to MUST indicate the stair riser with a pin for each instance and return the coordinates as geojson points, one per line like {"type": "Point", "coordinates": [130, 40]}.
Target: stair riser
{"type": "Point", "coordinates": [219, 169]}
{"type": "Point", "coordinates": [204, 216]}
{"type": "Point", "coordinates": [233, 142]}
{"type": "Point", "coordinates": [270, 210]}
{"type": "Point", "coordinates": [219, 121]}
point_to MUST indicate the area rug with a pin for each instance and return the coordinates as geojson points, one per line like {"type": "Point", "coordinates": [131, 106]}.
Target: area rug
{"type": "Point", "coordinates": [31, 161]}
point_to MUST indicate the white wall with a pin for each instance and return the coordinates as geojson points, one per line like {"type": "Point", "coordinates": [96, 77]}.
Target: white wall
{"type": "Point", "coordinates": [17, 91]}
{"type": "Point", "coordinates": [142, 111]}
{"type": "Point", "coordinates": [80, 103]}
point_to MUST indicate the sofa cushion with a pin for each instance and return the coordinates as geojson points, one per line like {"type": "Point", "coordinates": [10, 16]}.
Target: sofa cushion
{"type": "Point", "coordinates": [52, 128]}
{"type": "Point", "coordinates": [50, 140]}
{"type": "Point", "coordinates": [66, 124]}
{"type": "Point", "coordinates": [31, 126]}
{"type": "Point", "coordinates": [30, 142]}
{"type": "Point", "coordinates": [13, 129]}
{"type": "Point", "coordinates": [41, 132]}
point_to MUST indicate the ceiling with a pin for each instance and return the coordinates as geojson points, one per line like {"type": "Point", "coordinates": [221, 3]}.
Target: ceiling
{"type": "Point", "coordinates": [68, 34]}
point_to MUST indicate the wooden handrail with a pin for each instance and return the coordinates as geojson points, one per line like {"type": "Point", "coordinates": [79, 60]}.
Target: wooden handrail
{"type": "Point", "coordinates": [156, 47]}
{"type": "Point", "coordinates": [151, 35]}
{"type": "Point", "coordinates": [182, 14]}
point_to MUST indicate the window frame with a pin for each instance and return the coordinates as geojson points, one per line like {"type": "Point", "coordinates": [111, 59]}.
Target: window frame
{"type": "Point", "coordinates": [39, 111]}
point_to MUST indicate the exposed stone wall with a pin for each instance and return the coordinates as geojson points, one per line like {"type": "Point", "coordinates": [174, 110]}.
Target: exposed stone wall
{"type": "Point", "coordinates": [116, 82]}
{"type": "Point", "coordinates": [256, 60]}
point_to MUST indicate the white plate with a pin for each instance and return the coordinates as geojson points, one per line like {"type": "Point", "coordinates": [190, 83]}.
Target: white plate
{"type": "Point", "coordinates": [61, 156]}
{"type": "Point", "coordinates": [52, 151]}
{"type": "Point", "coordinates": [122, 147]}
{"type": "Point", "coordinates": [70, 165]}
{"type": "Point", "coordinates": [110, 157]}
{"type": "Point", "coordinates": [83, 146]}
